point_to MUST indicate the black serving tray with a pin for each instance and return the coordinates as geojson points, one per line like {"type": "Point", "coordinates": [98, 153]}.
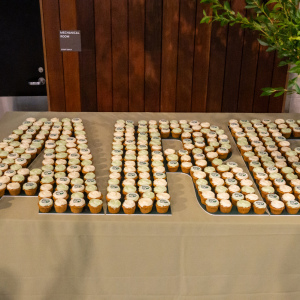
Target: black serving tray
{"type": "Point", "coordinates": [284, 212]}
{"type": "Point", "coordinates": [234, 211]}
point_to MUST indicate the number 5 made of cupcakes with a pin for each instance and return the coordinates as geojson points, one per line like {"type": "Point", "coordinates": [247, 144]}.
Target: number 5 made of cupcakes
{"type": "Point", "coordinates": [138, 183]}
{"type": "Point", "coordinates": [267, 148]}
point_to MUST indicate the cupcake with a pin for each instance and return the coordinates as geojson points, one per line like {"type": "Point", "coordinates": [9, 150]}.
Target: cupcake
{"type": "Point", "coordinates": [132, 196]}
{"type": "Point", "coordinates": [77, 205]}
{"type": "Point", "coordinates": [60, 205]}
{"type": "Point", "coordinates": [46, 187]}
{"type": "Point", "coordinates": [223, 153]}
{"type": "Point", "coordinates": [129, 189]}
{"type": "Point", "coordinates": [114, 206]}
{"type": "Point", "coordinates": [276, 207]}
{"type": "Point", "coordinates": [95, 195]}
{"type": "Point", "coordinates": [169, 152]}
{"type": "Point", "coordinates": [95, 206]}
{"type": "Point", "coordinates": [2, 188]}
{"type": "Point", "coordinates": [225, 206]}
{"type": "Point", "coordinates": [252, 198]}
{"type": "Point", "coordinates": [30, 188]}
{"type": "Point", "coordinates": [162, 206]}
{"type": "Point", "coordinates": [14, 188]}
{"type": "Point", "coordinates": [212, 205]}
{"type": "Point", "coordinates": [186, 166]}
{"type": "Point", "coordinates": [235, 197]}
{"type": "Point", "coordinates": [287, 197]}
{"type": "Point", "coordinates": [292, 207]}
{"type": "Point", "coordinates": [283, 189]}
{"type": "Point", "coordinates": [77, 188]}
{"type": "Point", "coordinates": [176, 132]}
{"type": "Point", "coordinates": [245, 190]}
{"type": "Point", "coordinates": [204, 195]}
{"type": "Point", "coordinates": [271, 197]}
{"type": "Point", "coordinates": [45, 205]}
{"type": "Point", "coordinates": [18, 178]}
{"type": "Point", "coordinates": [60, 195]}
{"type": "Point", "coordinates": [201, 163]}
{"type": "Point", "coordinates": [113, 196]}
{"type": "Point", "coordinates": [173, 166]}
{"type": "Point", "coordinates": [259, 207]}
{"type": "Point", "coordinates": [24, 172]}
{"type": "Point", "coordinates": [296, 132]}
{"type": "Point", "coordinates": [44, 194]}
{"type": "Point", "coordinates": [129, 207]}
{"type": "Point", "coordinates": [243, 206]}
{"type": "Point", "coordinates": [145, 205]}
{"type": "Point", "coordinates": [47, 177]}
{"type": "Point", "coordinates": [223, 196]}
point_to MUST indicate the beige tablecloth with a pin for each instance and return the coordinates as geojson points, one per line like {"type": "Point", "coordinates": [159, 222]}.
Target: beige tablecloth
{"type": "Point", "coordinates": [189, 255]}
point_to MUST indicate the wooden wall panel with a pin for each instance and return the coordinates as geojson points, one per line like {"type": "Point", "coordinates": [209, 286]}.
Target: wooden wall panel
{"type": "Point", "coordinates": [169, 55]}
{"type": "Point", "coordinates": [52, 55]}
{"type": "Point", "coordinates": [68, 21]}
{"type": "Point", "coordinates": [185, 55]}
{"type": "Point", "coordinates": [119, 14]}
{"type": "Point", "coordinates": [136, 55]}
{"type": "Point", "coordinates": [103, 54]}
{"type": "Point", "coordinates": [263, 79]}
{"type": "Point", "coordinates": [201, 60]}
{"type": "Point", "coordinates": [216, 67]}
{"type": "Point", "coordinates": [276, 104]}
{"type": "Point", "coordinates": [248, 71]}
{"type": "Point", "coordinates": [154, 55]}
{"type": "Point", "coordinates": [233, 61]}
{"type": "Point", "coordinates": [153, 28]}
{"type": "Point", "coordinates": [87, 56]}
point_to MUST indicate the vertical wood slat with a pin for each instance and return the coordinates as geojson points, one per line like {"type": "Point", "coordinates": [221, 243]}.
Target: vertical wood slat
{"type": "Point", "coordinates": [169, 55]}
{"type": "Point", "coordinates": [216, 67]}
{"type": "Point", "coordinates": [68, 21]}
{"type": "Point", "coordinates": [136, 15]}
{"type": "Point", "coordinates": [185, 55]}
{"type": "Point", "coordinates": [234, 54]}
{"type": "Point", "coordinates": [119, 10]}
{"type": "Point", "coordinates": [263, 79]}
{"type": "Point", "coordinates": [248, 71]}
{"type": "Point", "coordinates": [87, 60]}
{"type": "Point", "coordinates": [52, 55]}
{"type": "Point", "coordinates": [103, 54]}
{"type": "Point", "coordinates": [276, 104]}
{"type": "Point", "coordinates": [201, 60]}
{"type": "Point", "coordinates": [153, 33]}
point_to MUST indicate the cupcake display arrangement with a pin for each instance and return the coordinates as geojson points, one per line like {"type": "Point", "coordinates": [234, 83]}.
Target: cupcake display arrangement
{"type": "Point", "coordinates": [138, 172]}
{"type": "Point", "coordinates": [221, 187]}
{"type": "Point", "coordinates": [274, 164]}
{"type": "Point", "coordinates": [67, 176]}
{"type": "Point", "coordinates": [137, 181]}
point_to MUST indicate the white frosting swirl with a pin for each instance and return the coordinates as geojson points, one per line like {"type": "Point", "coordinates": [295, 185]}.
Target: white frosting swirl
{"type": "Point", "coordinates": [60, 202]}
{"type": "Point", "coordinates": [128, 204]}
{"type": "Point", "coordinates": [225, 203]}
{"type": "Point", "coordinates": [77, 202]}
{"type": "Point", "coordinates": [145, 202]}
{"type": "Point", "coordinates": [277, 204]}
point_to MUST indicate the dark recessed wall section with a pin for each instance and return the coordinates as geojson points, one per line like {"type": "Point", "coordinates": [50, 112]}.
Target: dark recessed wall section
{"type": "Point", "coordinates": [21, 50]}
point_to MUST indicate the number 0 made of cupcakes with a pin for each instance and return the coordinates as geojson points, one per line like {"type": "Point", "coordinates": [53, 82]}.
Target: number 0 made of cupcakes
{"type": "Point", "coordinates": [267, 148]}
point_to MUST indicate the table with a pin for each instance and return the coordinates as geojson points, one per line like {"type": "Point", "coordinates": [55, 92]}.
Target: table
{"type": "Point", "coordinates": [189, 255]}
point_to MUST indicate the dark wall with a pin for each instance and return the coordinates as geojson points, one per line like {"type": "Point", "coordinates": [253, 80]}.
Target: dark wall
{"type": "Point", "coordinates": [21, 48]}
{"type": "Point", "coordinates": [153, 55]}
